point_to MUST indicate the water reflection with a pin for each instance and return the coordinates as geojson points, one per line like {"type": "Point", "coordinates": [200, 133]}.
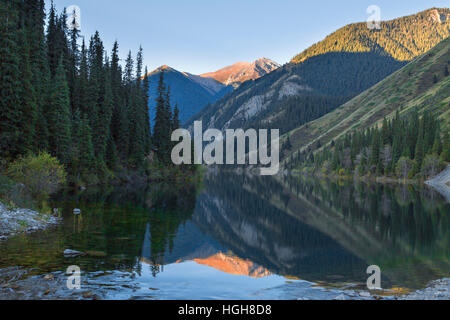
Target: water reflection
{"type": "Point", "coordinates": [244, 231]}
{"type": "Point", "coordinates": [324, 230]}
{"type": "Point", "coordinates": [320, 231]}
{"type": "Point", "coordinates": [110, 229]}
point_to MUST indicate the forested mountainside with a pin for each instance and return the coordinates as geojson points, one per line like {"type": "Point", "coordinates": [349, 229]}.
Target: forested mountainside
{"type": "Point", "coordinates": [190, 92]}
{"type": "Point", "coordinates": [300, 92]}
{"type": "Point", "coordinates": [403, 39]}
{"type": "Point", "coordinates": [62, 95]}
{"type": "Point", "coordinates": [193, 92]}
{"type": "Point", "coordinates": [399, 127]}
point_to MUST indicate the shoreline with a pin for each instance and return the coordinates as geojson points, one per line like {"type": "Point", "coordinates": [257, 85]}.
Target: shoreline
{"type": "Point", "coordinates": [434, 290]}
{"type": "Point", "coordinates": [14, 221]}
{"type": "Point", "coordinates": [17, 284]}
{"type": "Point", "coordinates": [441, 183]}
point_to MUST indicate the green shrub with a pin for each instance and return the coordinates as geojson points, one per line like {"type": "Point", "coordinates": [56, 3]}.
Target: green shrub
{"type": "Point", "coordinates": [415, 169]}
{"type": "Point", "coordinates": [90, 180]}
{"type": "Point", "coordinates": [404, 167]}
{"type": "Point", "coordinates": [431, 166]}
{"type": "Point", "coordinates": [41, 174]}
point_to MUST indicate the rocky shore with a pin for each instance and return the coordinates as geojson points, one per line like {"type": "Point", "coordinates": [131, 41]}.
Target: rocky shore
{"type": "Point", "coordinates": [435, 290]}
{"type": "Point", "coordinates": [14, 221]}
{"type": "Point", "coordinates": [442, 183]}
{"type": "Point", "coordinates": [18, 284]}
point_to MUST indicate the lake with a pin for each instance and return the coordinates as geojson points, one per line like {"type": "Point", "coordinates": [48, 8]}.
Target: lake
{"type": "Point", "coordinates": [236, 236]}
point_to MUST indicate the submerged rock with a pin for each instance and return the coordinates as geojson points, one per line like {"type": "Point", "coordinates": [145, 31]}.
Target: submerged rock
{"type": "Point", "coordinates": [365, 294]}
{"type": "Point", "coordinates": [72, 253]}
{"type": "Point", "coordinates": [49, 277]}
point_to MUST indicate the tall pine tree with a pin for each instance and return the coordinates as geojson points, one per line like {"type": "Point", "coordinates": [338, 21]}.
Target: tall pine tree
{"type": "Point", "coordinates": [10, 84]}
{"type": "Point", "coordinates": [60, 115]}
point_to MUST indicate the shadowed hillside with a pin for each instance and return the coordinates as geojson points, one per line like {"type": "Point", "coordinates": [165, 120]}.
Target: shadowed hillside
{"type": "Point", "coordinates": [190, 92]}
{"type": "Point", "coordinates": [325, 76]}
{"type": "Point", "coordinates": [421, 86]}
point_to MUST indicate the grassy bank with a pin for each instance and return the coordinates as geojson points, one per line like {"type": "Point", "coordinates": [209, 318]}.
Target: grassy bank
{"type": "Point", "coordinates": [418, 180]}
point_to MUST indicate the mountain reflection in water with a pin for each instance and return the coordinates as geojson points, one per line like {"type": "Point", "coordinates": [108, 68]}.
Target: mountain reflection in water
{"type": "Point", "coordinates": [240, 231]}
{"type": "Point", "coordinates": [319, 231]}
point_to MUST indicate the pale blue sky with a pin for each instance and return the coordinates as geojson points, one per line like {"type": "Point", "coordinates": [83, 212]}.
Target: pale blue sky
{"type": "Point", "coordinates": [199, 36]}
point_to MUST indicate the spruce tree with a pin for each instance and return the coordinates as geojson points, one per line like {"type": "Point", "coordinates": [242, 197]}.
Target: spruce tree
{"type": "Point", "coordinates": [437, 144]}
{"type": "Point", "coordinates": [139, 65]}
{"type": "Point", "coordinates": [375, 149]}
{"type": "Point", "coordinates": [386, 135]}
{"type": "Point", "coordinates": [420, 149]}
{"type": "Point", "coordinates": [97, 108]}
{"type": "Point", "coordinates": [60, 116]}
{"type": "Point", "coordinates": [57, 43]}
{"type": "Point", "coordinates": [445, 156]}
{"type": "Point", "coordinates": [52, 47]}
{"type": "Point", "coordinates": [28, 104]}
{"type": "Point", "coordinates": [10, 84]}
{"type": "Point", "coordinates": [82, 90]}
{"type": "Point", "coordinates": [86, 147]}
{"type": "Point", "coordinates": [128, 77]}
{"type": "Point", "coordinates": [104, 113]}
{"type": "Point", "coordinates": [412, 135]}
{"type": "Point", "coordinates": [111, 155]}
{"type": "Point", "coordinates": [168, 109]}
{"type": "Point", "coordinates": [35, 21]}
{"type": "Point", "coordinates": [176, 118]}
{"type": "Point", "coordinates": [137, 118]}
{"type": "Point", "coordinates": [162, 126]}
{"type": "Point", "coordinates": [127, 117]}
{"type": "Point", "coordinates": [146, 111]}
{"type": "Point", "coordinates": [123, 142]}
{"type": "Point", "coordinates": [74, 60]}
{"type": "Point", "coordinates": [117, 91]}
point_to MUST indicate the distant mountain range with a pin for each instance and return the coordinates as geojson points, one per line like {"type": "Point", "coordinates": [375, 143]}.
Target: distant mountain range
{"type": "Point", "coordinates": [240, 72]}
{"type": "Point", "coordinates": [190, 92]}
{"type": "Point", "coordinates": [193, 92]}
{"type": "Point", "coordinates": [328, 74]}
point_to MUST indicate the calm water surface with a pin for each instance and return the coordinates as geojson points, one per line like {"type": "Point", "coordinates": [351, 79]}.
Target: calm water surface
{"type": "Point", "coordinates": [241, 237]}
